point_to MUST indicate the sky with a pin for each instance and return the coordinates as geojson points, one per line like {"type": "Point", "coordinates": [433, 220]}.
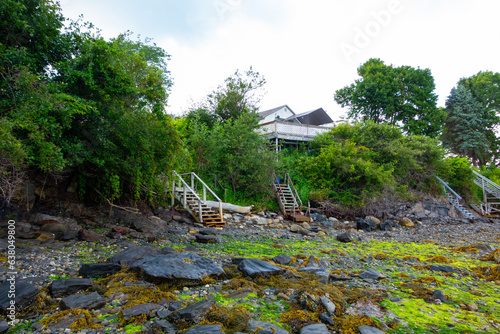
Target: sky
{"type": "Point", "coordinates": [306, 50]}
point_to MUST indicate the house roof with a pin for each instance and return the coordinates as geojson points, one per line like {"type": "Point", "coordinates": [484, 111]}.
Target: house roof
{"type": "Point", "coordinates": [313, 117]}
{"type": "Point", "coordinates": [266, 113]}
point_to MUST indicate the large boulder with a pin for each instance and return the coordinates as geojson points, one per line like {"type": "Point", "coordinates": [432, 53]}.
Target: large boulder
{"type": "Point", "coordinates": [132, 254]}
{"type": "Point", "coordinates": [64, 287]}
{"type": "Point", "coordinates": [258, 268]}
{"type": "Point", "coordinates": [25, 295]}
{"type": "Point", "coordinates": [95, 270]}
{"type": "Point", "coordinates": [193, 313]}
{"type": "Point", "coordinates": [79, 300]}
{"type": "Point", "coordinates": [180, 269]}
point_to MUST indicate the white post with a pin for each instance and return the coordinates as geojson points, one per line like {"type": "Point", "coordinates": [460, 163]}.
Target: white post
{"type": "Point", "coordinates": [200, 213]}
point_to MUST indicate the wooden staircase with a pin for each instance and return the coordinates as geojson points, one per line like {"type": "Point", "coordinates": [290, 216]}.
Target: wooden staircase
{"type": "Point", "coordinates": [288, 199]}
{"type": "Point", "coordinates": [491, 196]}
{"type": "Point", "coordinates": [195, 202]}
{"type": "Point", "coordinates": [455, 199]}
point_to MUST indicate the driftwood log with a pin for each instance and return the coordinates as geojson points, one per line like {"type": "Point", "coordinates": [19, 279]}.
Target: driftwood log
{"type": "Point", "coordinates": [230, 207]}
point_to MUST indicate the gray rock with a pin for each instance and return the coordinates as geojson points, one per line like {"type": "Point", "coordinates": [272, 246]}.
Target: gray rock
{"type": "Point", "coordinates": [443, 268]}
{"type": "Point", "coordinates": [205, 329]}
{"type": "Point", "coordinates": [315, 329]}
{"type": "Point", "coordinates": [367, 225]}
{"type": "Point", "coordinates": [94, 270]}
{"type": "Point", "coordinates": [282, 259]}
{"type": "Point", "coordinates": [130, 255]}
{"type": "Point", "coordinates": [258, 268]}
{"type": "Point", "coordinates": [325, 318]}
{"type": "Point", "coordinates": [25, 294]}
{"type": "Point", "coordinates": [206, 238]}
{"type": "Point", "coordinates": [166, 327]}
{"type": "Point", "coordinates": [253, 325]}
{"type": "Point", "coordinates": [328, 305]}
{"type": "Point", "coordinates": [63, 287]}
{"type": "Point", "coordinates": [186, 268]}
{"type": "Point", "coordinates": [438, 294]}
{"type": "Point", "coordinates": [193, 313]}
{"type": "Point", "coordinates": [345, 237]}
{"type": "Point", "coordinates": [4, 327]}
{"type": "Point", "coordinates": [208, 231]}
{"type": "Point", "coordinates": [369, 330]}
{"type": "Point", "coordinates": [371, 274]}
{"type": "Point", "coordinates": [80, 300]}
{"type": "Point", "coordinates": [148, 309]}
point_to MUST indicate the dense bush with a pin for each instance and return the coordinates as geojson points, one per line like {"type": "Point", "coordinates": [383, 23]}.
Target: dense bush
{"type": "Point", "coordinates": [353, 163]}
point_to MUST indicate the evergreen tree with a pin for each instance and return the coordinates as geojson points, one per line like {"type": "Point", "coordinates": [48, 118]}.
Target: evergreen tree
{"type": "Point", "coordinates": [468, 129]}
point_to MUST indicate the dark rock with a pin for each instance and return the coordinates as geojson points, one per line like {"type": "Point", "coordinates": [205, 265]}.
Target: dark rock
{"type": "Point", "coordinates": [167, 250]}
{"type": "Point", "coordinates": [369, 330]}
{"type": "Point", "coordinates": [89, 236]}
{"type": "Point", "coordinates": [186, 268]}
{"type": "Point", "coordinates": [206, 239]}
{"type": "Point", "coordinates": [94, 270]}
{"type": "Point", "coordinates": [4, 327]}
{"type": "Point", "coordinates": [54, 227]}
{"type": "Point", "coordinates": [120, 230]}
{"type": "Point", "coordinates": [191, 248]}
{"type": "Point", "coordinates": [367, 225]}
{"type": "Point", "coordinates": [162, 314]}
{"type": "Point", "coordinates": [25, 294]}
{"type": "Point", "coordinates": [371, 274]}
{"type": "Point", "coordinates": [260, 327]}
{"type": "Point", "coordinates": [80, 300]}
{"type": "Point", "coordinates": [315, 329]}
{"type": "Point", "coordinates": [443, 268]}
{"type": "Point", "coordinates": [318, 217]}
{"type": "Point", "coordinates": [63, 287]}
{"type": "Point", "coordinates": [136, 310]}
{"type": "Point", "coordinates": [237, 260]}
{"type": "Point", "coordinates": [328, 305]}
{"type": "Point", "coordinates": [438, 294]}
{"type": "Point", "coordinates": [132, 254]}
{"type": "Point", "coordinates": [205, 329]}
{"type": "Point", "coordinates": [208, 231]}
{"type": "Point", "coordinates": [258, 268]}
{"type": "Point", "coordinates": [388, 225]}
{"type": "Point", "coordinates": [166, 327]}
{"type": "Point", "coordinates": [282, 259]}
{"type": "Point", "coordinates": [193, 313]}
{"type": "Point", "coordinates": [326, 319]}
{"type": "Point", "coordinates": [345, 237]}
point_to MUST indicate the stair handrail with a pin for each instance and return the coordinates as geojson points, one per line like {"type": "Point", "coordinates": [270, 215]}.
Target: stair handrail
{"type": "Point", "coordinates": [278, 190]}
{"type": "Point", "coordinates": [184, 191]}
{"type": "Point", "coordinates": [205, 187]}
{"type": "Point", "coordinates": [287, 176]}
{"type": "Point", "coordinates": [488, 182]}
{"type": "Point", "coordinates": [447, 187]}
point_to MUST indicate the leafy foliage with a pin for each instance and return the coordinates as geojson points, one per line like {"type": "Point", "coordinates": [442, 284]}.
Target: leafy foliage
{"type": "Point", "coordinates": [352, 163]}
{"type": "Point", "coordinates": [76, 103]}
{"type": "Point", "coordinates": [402, 96]}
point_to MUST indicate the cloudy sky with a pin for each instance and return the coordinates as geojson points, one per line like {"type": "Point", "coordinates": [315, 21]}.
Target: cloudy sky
{"type": "Point", "coordinates": [305, 49]}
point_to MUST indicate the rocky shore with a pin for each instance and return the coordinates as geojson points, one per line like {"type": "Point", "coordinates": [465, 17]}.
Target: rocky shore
{"type": "Point", "coordinates": [160, 272]}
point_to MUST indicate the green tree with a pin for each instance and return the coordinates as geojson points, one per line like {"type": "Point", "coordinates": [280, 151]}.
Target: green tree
{"type": "Point", "coordinates": [485, 87]}
{"type": "Point", "coordinates": [240, 94]}
{"type": "Point", "coordinates": [469, 129]}
{"type": "Point", "coordinates": [402, 96]}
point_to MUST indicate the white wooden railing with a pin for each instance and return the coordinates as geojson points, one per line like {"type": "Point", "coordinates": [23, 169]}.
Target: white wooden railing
{"type": "Point", "coordinates": [289, 130]}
